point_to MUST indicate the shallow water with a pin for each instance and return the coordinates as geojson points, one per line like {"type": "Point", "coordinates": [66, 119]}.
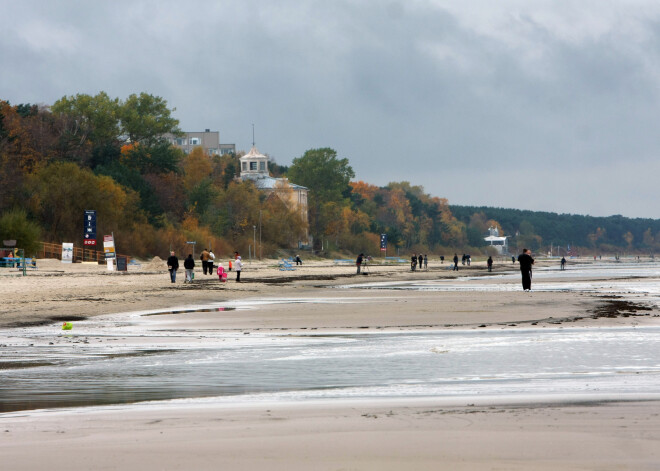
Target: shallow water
{"type": "Point", "coordinates": [443, 363]}
{"type": "Point", "coordinates": [124, 359]}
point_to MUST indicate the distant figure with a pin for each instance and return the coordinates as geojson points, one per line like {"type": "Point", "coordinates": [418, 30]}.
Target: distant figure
{"type": "Point", "coordinates": [172, 265]}
{"type": "Point", "coordinates": [298, 260]}
{"type": "Point", "coordinates": [222, 274]}
{"type": "Point", "coordinates": [413, 262]}
{"type": "Point", "coordinates": [204, 257]}
{"type": "Point", "coordinates": [189, 265]}
{"type": "Point", "coordinates": [426, 262]}
{"type": "Point", "coordinates": [442, 259]}
{"type": "Point", "coordinates": [420, 260]}
{"type": "Point", "coordinates": [489, 262]}
{"type": "Point", "coordinates": [526, 261]}
{"type": "Point", "coordinates": [562, 264]}
{"type": "Point", "coordinates": [238, 264]}
{"type": "Point", "coordinates": [513, 259]}
{"type": "Point", "coordinates": [463, 259]}
{"type": "Point", "coordinates": [358, 262]}
{"type": "Point", "coordinates": [455, 262]}
{"type": "Point", "coordinates": [468, 259]}
{"type": "Point", "coordinates": [229, 266]}
{"type": "Point", "coordinates": [211, 259]}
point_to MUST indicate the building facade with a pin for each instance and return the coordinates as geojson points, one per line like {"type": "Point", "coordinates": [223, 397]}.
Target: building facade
{"type": "Point", "coordinates": [254, 166]}
{"type": "Point", "coordinates": [499, 243]}
{"type": "Point", "coordinates": [208, 140]}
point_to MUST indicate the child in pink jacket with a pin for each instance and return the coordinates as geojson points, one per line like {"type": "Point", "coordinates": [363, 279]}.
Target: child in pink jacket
{"type": "Point", "coordinates": [222, 275]}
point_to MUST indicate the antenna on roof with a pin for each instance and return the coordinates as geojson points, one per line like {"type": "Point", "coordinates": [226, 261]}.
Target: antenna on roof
{"type": "Point", "coordinates": [252, 134]}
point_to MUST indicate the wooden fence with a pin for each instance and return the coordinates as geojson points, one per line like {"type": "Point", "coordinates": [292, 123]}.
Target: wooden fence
{"type": "Point", "coordinates": [80, 254]}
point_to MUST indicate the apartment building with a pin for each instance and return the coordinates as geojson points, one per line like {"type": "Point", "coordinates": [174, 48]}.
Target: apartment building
{"type": "Point", "coordinates": [208, 140]}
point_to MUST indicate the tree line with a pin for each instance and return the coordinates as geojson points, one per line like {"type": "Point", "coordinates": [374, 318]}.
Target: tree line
{"type": "Point", "coordinates": [112, 155]}
{"type": "Point", "coordinates": [541, 230]}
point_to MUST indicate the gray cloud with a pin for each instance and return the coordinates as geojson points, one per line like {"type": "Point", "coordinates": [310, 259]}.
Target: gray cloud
{"type": "Point", "coordinates": [514, 104]}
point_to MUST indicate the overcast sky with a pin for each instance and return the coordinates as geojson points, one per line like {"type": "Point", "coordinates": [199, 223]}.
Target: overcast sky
{"type": "Point", "coordinates": [543, 105]}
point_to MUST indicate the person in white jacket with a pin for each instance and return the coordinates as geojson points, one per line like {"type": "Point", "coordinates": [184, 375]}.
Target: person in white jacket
{"type": "Point", "coordinates": [238, 266]}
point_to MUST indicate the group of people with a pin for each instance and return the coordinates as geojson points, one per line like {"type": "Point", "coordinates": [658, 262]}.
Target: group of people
{"type": "Point", "coordinates": [207, 258]}
{"type": "Point", "coordinates": [418, 261]}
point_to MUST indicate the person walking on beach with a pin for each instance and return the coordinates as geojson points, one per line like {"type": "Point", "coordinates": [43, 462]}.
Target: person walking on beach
{"type": "Point", "coordinates": [420, 260]}
{"type": "Point", "coordinates": [172, 265]}
{"type": "Point", "coordinates": [526, 261]}
{"type": "Point", "coordinates": [489, 262]}
{"type": "Point", "coordinates": [211, 259]}
{"type": "Point", "coordinates": [426, 262]}
{"type": "Point", "coordinates": [513, 259]}
{"type": "Point", "coordinates": [562, 264]}
{"type": "Point", "coordinates": [442, 259]}
{"type": "Point", "coordinates": [204, 257]}
{"type": "Point", "coordinates": [358, 262]}
{"type": "Point", "coordinates": [230, 265]}
{"type": "Point", "coordinates": [298, 260]}
{"type": "Point", "coordinates": [455, 262]}
{"type": "Point", "coordinates": [238, 265]}
{"type": "Point", "coordinates": [189, 265]}
{"type": "Point", "coordinates": [413, 262]}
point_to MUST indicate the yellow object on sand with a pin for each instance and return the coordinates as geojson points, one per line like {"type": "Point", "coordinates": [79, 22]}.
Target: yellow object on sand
{"type": "Point", "coordinates": [67, 326]}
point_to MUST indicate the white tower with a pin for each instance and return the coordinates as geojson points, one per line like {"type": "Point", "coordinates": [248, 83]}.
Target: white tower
{"type": "Point", "coordinates": [254, 165]}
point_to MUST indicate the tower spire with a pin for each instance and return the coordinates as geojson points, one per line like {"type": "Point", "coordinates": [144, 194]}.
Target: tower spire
{"type": "Point", "coordinates": [252, 134]}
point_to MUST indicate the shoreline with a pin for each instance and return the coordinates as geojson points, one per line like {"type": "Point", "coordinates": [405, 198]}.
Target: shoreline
{"type": "Point", "coordinates": [77, 292]}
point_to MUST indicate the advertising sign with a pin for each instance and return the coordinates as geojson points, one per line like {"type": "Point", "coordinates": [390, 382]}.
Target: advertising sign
{"type": "Point", "coordinates": [383, 242]}
{"type": "Point", "coordinates": [109, 246]}
{"type": "Point", "coordinates": [67, 252]}
{"type": "Point", "coordinates": [89, 237]}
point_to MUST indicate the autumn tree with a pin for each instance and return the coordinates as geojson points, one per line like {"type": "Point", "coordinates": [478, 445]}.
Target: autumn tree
{"type": "Point", "coordinates": [15, 225]}
{"type": "Point", "coordinates": [145, 119]}
{"type": "Point", "coordinates": [89, 118]}
{"type": "Point", "coordinates": [62, 192]}
{"type": "Point", "coordinates": [327, 178]}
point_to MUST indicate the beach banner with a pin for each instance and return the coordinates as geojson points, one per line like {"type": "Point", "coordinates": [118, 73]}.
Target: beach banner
{"type": "Point", "coordinates": [67, 252]}
{"type": "Point", "coordinates": [90, 227]}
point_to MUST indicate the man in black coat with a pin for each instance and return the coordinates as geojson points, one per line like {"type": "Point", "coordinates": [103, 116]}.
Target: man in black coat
{"type": "Point", "coordinates": [526, 261]}
{"type": "Point", "coordinates": [358, 262]}
{"type": "Point", "coordinates": [172, 265]}
{"type": "Point", "coordinates": [189, 265]}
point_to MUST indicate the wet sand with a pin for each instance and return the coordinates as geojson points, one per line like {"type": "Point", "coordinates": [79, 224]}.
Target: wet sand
{"type": "Point", "coordinates": [395, 434]}
{"type": "Point", "coordinates": [326, 436]}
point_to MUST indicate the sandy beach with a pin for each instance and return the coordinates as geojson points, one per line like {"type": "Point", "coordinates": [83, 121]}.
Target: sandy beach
{"type": "Point", "coordinates": [569, 434]}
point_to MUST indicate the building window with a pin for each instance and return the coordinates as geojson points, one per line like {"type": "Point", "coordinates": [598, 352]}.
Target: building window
{"type": "Point", "coordinates": [253, 165]}
{"type": "Point", "coordinates": [262, 166]}
{"type": "Point", "coordinates": [194, 141]}
{"type": "Point", "coordinates": [180, 142]}
{"type": "Point", "coordinates": [244, 167]}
